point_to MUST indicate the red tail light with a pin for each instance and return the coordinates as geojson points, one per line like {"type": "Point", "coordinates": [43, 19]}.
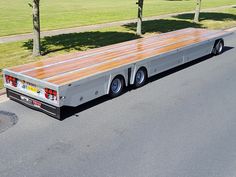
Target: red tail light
{"type": "Point", "coordinates": [50, 94]}
{"type": "Point", "coordinates": [46, 95]}
{"type": "Point", "coordinates": [55, 93]}
{"type": "Point", "coordinates": [11, 80]}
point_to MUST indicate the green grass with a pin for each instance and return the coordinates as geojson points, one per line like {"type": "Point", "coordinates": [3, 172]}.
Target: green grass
{"type": "Point", "coordinates": [15, 16]}
{"type": "Point", "coordinates": [17, 53]}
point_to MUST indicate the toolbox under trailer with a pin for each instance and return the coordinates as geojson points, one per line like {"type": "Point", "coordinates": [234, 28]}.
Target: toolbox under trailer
{"type": "Point", "coordinates": [74, 79]}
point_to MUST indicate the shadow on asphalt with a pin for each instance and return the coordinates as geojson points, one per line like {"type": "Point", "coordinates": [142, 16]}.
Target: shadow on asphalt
{"type": "Point", "coordinates": [74, 111]}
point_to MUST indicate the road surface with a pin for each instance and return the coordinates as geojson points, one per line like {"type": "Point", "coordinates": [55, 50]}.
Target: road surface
{"type": "Point", "coordinates": [181, 124]}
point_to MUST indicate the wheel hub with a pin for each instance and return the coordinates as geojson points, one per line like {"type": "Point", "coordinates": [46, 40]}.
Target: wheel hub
{"type": "Point", "coordinates": [140, 76]}
{"type": "Point", "coordinates": [116, 85]}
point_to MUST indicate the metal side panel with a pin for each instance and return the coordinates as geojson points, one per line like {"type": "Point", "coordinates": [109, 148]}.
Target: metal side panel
{"type": "Point", "coordinates": [179, 56]}
{"type": "Point", "coordinates": [198, 51]}
{"type": "Point", "coordinates": [84, 92]}
{"type": "Point", "coordinates": [87, 89]}
{"type": "Point", "coordinates": [160, 64]}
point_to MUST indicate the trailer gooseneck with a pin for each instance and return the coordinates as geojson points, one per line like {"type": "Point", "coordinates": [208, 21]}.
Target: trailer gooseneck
{"type": "Point", "coordinates": [74, 79]}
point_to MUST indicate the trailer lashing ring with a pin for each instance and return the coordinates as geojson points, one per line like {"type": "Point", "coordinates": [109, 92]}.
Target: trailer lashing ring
{"type": "Point", "coordinates": [7, 120]}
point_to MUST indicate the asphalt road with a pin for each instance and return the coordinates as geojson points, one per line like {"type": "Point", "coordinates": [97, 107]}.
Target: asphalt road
{"type": "Point", "coordinates": [181, 124]}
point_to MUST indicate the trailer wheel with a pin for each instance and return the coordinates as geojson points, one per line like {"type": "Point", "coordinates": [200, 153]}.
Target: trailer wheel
{"type": "Point", "coordinates": [218, 47]}
{"type": "Point", "coordinates": [117, 86]}
{"type": "Point", "coordinates": [140, 77]}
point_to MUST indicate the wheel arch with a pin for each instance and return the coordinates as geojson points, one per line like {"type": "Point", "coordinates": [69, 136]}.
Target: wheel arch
{"type": "Point", "coordinates": [144, 68]}
{"type": "Point", "coordinates": [219, 40]}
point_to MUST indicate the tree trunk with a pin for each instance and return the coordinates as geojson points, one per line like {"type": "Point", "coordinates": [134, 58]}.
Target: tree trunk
{"type": "Point", "coordinates": [140, 16]}
{"type": "Point", "coordinates": [36, 28]}
{"type": "Point", "coordinates": [197, 11]}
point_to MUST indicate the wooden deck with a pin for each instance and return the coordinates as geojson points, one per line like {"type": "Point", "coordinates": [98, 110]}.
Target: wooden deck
{"type": "Point", "coordinates": [68, 68]}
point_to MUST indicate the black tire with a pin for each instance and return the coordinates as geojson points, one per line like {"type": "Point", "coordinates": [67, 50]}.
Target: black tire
{"type": "Point", "coordinates": [116, 86]}
{"type": "Point", "coordinates": [140, 78]}
{"type": "Point", "coordinates": [218, 47]}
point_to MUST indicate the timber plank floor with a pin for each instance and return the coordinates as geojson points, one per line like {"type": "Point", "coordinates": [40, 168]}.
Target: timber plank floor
{"type": "Point", "coordinates": [65, 69]}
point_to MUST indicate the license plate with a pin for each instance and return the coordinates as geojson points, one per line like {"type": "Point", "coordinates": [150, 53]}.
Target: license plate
{"type": "Point", "coordinates": [32, 88]}
{"type": "Point", "coordinates": [36, 103]}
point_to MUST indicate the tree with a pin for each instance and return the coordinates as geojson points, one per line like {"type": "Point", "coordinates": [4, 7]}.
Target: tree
{"type": "Point", "coordinates": [140, 16]}
{"type": "Point", "coordinates": [197, 11]}
{"type": "Point", "coordinates": [36, 28]}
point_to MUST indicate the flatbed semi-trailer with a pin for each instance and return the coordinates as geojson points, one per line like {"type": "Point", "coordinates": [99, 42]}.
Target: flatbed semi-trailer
{"type": "Point", "coordinates": [74, 79]}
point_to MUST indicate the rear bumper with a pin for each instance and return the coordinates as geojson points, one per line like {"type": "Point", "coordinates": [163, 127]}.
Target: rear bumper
{"type": "Point", "coordinates": [29, 102]}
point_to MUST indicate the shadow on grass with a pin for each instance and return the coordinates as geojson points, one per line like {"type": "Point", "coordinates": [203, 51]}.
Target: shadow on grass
{"type": "Point", "coordinates": [208, 16]}
{"type": "Point", "coordinates": [89, 40]}
{"type": "Point", "coordinates": [80, 41]}
{"type": "Point", "coordinates": [74, 111]}
{"type": "Point", "coordinates": [163, 25]}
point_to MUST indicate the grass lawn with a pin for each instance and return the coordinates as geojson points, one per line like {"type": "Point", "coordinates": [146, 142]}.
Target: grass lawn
{"type": "Point", "coordinates": [15, 16]}
{"type": "Point", "coordinates": [17, 53]}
